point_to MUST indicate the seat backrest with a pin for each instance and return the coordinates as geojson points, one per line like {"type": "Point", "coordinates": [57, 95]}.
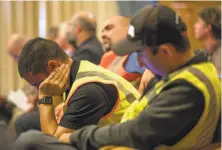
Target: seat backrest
{"type": "Point", "coordinates": [217, 134]}
{"type": "Point", "coordinates": [214, 146]}
{"type": "Point", "coordinates": [115, 148]}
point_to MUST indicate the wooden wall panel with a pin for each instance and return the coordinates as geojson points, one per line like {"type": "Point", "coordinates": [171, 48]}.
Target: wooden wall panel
{"type": "Point", "coordinates": [189, 10]}
{"type": "Point", "coordinates": [15, 17]}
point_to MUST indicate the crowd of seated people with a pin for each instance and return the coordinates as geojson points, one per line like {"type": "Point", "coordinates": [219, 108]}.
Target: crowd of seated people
{"type": "Point", "coordinates": [141, 87]}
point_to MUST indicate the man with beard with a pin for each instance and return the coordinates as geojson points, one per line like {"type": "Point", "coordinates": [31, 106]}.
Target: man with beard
{"type": "Point", "coordinates": [114, 30]}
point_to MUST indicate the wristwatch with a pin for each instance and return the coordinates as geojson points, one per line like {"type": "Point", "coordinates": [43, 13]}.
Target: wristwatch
{"type": "Point", "coordinates": [45, 100]}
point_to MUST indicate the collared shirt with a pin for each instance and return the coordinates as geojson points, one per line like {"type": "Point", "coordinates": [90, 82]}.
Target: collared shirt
{"type": "Point", "coordinates": [89, 103]}
{"type": "Point", "coordinates": [161, 123]}
{"type": "Point", "coordinates": [215, 58]}
{"type": "Point", "coordinates": [132, 64]}
{"type": "Point", "coordinates": [90, 50]}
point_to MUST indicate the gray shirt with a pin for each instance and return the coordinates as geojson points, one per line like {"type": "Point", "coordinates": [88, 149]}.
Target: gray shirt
{"type": "Point", "coordinates": [215, 58]}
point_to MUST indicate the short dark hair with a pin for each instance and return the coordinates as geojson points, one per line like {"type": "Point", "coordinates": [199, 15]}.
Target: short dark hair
{"type": "Point", "coordinates": [212, 16]}
{"type": "Point", "coordinates": [36, 54]}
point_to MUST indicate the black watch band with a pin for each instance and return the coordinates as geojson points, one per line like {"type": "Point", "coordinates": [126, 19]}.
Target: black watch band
{"type": "Point", "coordinates": [46, 100]}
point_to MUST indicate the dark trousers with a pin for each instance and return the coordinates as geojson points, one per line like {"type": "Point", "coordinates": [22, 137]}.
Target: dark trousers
{"type": "Point", "coordinates": [28, 121]}
{"type": "Point", "coordinates": [35, 140]}
{"type": "Point", "coordinates": [5, 140]}
{"type": "Point", "coordinates": [6, 111]}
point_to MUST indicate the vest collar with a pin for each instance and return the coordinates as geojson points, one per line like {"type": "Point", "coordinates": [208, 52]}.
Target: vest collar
{"type": "Point", "coordinates": [73, 72]}
{"type": "Point", "coordinates": [199, 57]}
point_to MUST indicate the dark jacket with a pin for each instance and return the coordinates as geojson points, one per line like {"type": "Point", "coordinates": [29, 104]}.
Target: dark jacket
{"type": "Point", "coordinates": [90, 50]}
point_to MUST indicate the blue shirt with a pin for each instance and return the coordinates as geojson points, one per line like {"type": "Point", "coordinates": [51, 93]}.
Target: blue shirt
{"type": "Point", "coordinates": [132, 65]}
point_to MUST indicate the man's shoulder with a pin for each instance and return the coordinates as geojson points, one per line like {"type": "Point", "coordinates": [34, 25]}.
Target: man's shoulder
{"type": "Point", "coordinates": [93, 44]}
{"type": "Point", "coordinates": [95, 93]}
{"type": "Point", "coordinates": [216, 59]}
{"type": "Point", "coordinates": [95, 41]}
{"type": "Point", "coordinates": [87, 91]}
{"type": "Point", "coordinates": [180, 82]}
{"type": "Point", "coordinates": [217, 52]}
{"type": "Point", "coordinates": [180, 86]}
{"type": "Point", "coordinates": [86, 106]}
{"type": "Point", "coordinates": [179, 92]}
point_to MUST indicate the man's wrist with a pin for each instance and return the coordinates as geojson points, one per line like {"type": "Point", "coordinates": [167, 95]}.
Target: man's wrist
{"type": "Point", "coordinates": [43, 96]}
{"type": "Point", "coordinates": [46, 100]}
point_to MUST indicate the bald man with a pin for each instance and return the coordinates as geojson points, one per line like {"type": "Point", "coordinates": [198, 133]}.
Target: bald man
{"type": "Point", "coordinates": [62, 39]}
{"type": "Point", "coordinates": [52, 33]}
{"type": "Point", "coordinates": [114, 30]}
{"type": "Point", "coordinates": [82, 36]}
{"type": "Point", "coordinates": [15, 45]}
{"type": "Point", "coordinates": [8, 112]}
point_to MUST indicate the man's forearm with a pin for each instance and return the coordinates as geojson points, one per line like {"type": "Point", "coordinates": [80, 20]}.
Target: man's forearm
{"type": "Point", "coordinates": [47, 119]}
{"type": "Point", "coordinates": [54, 84]}
{"type": "Point", "coordinates": [92, 137]}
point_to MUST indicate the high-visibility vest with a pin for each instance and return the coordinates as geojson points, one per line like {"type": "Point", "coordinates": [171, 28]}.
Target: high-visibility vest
{"type": "Point", "coordinates": [89, 72]}
{"type": "Point", "coordinates": [107, 59]}
{"type": "Point", "coordinates": [202, 76]}
{"type": "Point", "coordinates": [115, 63]}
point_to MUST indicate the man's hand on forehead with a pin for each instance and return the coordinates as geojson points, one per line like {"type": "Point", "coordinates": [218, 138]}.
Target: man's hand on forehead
{"type": "Point", "coordinates": [56, 83]}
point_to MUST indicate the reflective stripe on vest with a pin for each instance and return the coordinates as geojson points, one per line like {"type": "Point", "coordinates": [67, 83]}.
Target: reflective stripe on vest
{"type": "Point", "coordinates": [204, 77]}
{"type": "Point", "coordinates": [89, 72]}
{"type": "Point", "coordinates": [117, 66]}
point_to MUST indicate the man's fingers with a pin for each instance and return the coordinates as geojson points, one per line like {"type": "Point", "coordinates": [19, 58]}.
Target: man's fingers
{"type": "Point", "coordinates": [58, 72]}
{"type": "Point", "coordinates": [141, 88]}
{"type": "Point", "coordinates": [64, 81]}
{"type": "Point", "coordinates": [50, 77]}
{"type": "Point", "coordinates": [57, 81]}
{"type": "Point", "coordinates": [63, 73]}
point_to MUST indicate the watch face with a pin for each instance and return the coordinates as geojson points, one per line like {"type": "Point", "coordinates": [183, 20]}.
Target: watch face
{"type": "Point", "coordinates": [46, 100]}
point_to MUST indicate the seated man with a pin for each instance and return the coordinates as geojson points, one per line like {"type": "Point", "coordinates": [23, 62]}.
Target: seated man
{"type": "Point", "coordinates": [62, 39]}
{"type": "Point", "coordinates": [30, 117]}
{"type": "Point", "coordinates": [114, 30]}
{"type": "Point", "coordinates": [180, 111]}
{"type": "Point", "coordinates": [8, 111]}
{"type": "Point", "coordinates": [82, 36]}
{"type": "Point", "coordinates": [92, 94]}
{"type": "Point", "coordinates": [31, 120]}
{"type": "Point", "coordinates": [208, 29]}
{"type": "Point", "coordinates": [52, 33]}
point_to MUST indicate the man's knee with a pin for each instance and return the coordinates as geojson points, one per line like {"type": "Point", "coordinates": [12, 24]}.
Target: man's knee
{"type": "Point", "coordinates": [28, 121]}
{"type": "Point", "coordinates": [19, 126]}
{"type": "Point", "coordinates": [28, 140]}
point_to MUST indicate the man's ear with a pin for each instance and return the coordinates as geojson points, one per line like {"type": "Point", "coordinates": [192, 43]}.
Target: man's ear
{"type": "Point", "coordinates": [78, 28]}
{"type": "Point", "coordinates": [166, 50]}
{"type": "Point", "coordinates": [209, 28]}
{"type": "Point", "coordinates": [53, 64]}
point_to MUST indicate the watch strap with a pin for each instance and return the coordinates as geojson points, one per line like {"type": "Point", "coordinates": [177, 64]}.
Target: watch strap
{"type": "Point", "coordinates": [46, 100]}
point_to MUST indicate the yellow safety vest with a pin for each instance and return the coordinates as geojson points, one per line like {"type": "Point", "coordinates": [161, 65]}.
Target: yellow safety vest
{"type": "Point", "coordinates": [89, 72]}
{"type": "Point", "coordinates": [202, 76]}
